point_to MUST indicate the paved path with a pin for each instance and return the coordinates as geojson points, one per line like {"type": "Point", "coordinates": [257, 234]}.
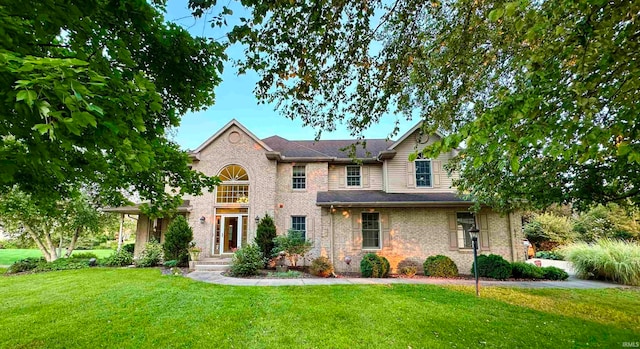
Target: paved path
{"type": "Point", "coordinates": [216, 277]}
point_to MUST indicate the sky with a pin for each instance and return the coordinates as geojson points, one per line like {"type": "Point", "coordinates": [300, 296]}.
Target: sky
{"type": "Point", "coordinates": [235, 100]}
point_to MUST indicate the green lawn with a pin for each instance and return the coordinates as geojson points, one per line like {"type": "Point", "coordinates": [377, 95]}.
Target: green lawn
{"type": "Point", "coordinates": [139, 308]}
{"type": "Point", "coordinates": [8, 256]}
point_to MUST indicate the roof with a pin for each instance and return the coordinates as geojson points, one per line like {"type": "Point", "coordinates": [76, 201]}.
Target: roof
{"type": "Point", "coordinates": [135, 209]}
{"type": "Point", "coordinates": [378, 198]}
{"type": "Point", "coordinates": [326, 148]}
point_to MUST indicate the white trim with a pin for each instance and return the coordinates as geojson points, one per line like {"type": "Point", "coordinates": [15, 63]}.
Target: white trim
{"type": "Point", "coordinates": [239, 231]}
{"type": "Point", "coordinates": [409, 133]}
{"type": "Point", "coordinates": [380, 243]}
{"type": "Point", "coordinates": [305, 177]}
{"type": "Point", "coordinates": [415, 173]}
{"type": "Point", "coordinates": [346, 176]}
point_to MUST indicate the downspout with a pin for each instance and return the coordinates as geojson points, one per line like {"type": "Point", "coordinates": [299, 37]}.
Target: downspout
{"type": "Point", "coordinates": [331, 240]}
{"type": "Point", "coordinates": [513, 252]}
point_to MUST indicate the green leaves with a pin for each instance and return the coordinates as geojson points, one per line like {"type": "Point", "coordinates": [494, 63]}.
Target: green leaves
{"type": "Point", "coordinates": [28, 96]}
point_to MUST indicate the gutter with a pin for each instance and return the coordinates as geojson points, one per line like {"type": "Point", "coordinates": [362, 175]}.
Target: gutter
{"type": "Point", "coordinates": [394, 204]}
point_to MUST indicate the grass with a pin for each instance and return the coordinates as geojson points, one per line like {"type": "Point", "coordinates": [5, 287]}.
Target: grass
{"type": "Point", "coordinates": [139, 308]}
{"type": "Point", "coordinates": [9, 256]}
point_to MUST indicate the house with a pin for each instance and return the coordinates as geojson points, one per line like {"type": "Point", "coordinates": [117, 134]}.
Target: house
{"type": "Point", "coordinates": [382, 203]}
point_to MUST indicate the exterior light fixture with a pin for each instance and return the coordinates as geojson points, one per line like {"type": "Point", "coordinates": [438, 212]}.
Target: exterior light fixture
{"type": "Point", "coordinates": [474, 232]}
{"type": "Point", "coordinates": [202, 219]}
{"type": "Point", "coordinates": [347, 260]}
{"type": "Point", "coordinates": [257, 219]}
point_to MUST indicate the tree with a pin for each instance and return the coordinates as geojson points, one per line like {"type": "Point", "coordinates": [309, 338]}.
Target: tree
{"type": "Point", "coordinates": [607, 222]}
{"type": "Point", "coordinates": [90, 90]}
{"type": "Point", "coordinates": [265, 233]}
{"type": "Point", "coordinates": [541, 96]}
{"type": "Point", "coordinates": [49, 221]}
{"type": "Point", "coordinates": [176, 241]}
{"type": "Point", "coordinates": [547, 231]}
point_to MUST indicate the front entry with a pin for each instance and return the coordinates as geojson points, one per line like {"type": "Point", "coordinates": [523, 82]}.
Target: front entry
{"type": "Point", "coordinates": [230, 233]}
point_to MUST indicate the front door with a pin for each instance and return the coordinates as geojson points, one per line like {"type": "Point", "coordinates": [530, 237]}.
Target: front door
{"type": "Point", "coordinates": [231, 233]}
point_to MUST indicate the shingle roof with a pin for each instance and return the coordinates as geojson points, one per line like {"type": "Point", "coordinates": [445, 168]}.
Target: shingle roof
{"type": "Point", "coordinates": [378, 198]}
{"type": "Point", "coordinates": [326, 148]}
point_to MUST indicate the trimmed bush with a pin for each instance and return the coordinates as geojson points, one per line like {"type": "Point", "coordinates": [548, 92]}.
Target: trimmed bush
{"type": "Point", "coordinates": [83, 255]}
{"type": "Point", "coordinates": [176, 241]}
{"type": "Point", "coordinates": [62, 264]}
{"type": "Point", "coordinates": [613, 260]}
{"type": "Point", "coordinates": [119, 259]}
{"type": "Point", "coordinates": [265, 234]}
{"type": "Point", "coordinates": [293, 244]}
{"type": "Point", "coordinates": [493, 266]}
{"type": "Point", "coordinates": [521, 270]}
{"type": "Point", "coordinates": [247, 261]}
{"type": "Point", "coordinates": [440, 266]}
{"type": "Point", "coordinates": [170, 264]}
{"type": "Point", "coordinates": [321, 266]}
{"type": "Point", "coordinates": [554, 273]}
{"type": "Point", "coordinates": [554, 255]}
{"type": "Point", "coordinates": [151, 255]}
{"type": "Point", "coordinates": [26, 264]}
{"type": "Point", "coordinates": [408, 270]}
{"type": "Point", "coordinates": [374, 266]}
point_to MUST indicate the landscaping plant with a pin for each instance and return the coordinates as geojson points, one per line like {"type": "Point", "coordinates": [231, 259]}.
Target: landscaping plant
{"type": "Point", "coordinates": [176, 241]}
{"type": "Point", "coordinates": [121, 258]}
{"type": "Point", "coordinates": [493, 266]}
{"type": "Point", "coordinates": [614, 260]}
{"type": "Point", "coordinates": [246, 261]}
{"type": "Point", "coordinates": [440, 266]}
{"type": "Point", "coordinates": [293, 244]}
{"type": "Point", "coordinates": [521, 270]}
{"type": "Point", "coordinates": [374, 266]}
{"type": "Point", "coordinates": [265, 234]}
{"type": "Point", "coordinates": [408, 270]}
{"type": "Point", "coordinates": [151, 255]}
{"type": "Point", "coordinates": [554, 273]}
{"type": "Point", "coordinates": [322, 267]}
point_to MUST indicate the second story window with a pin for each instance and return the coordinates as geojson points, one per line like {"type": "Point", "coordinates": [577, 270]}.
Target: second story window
{"type": "Point", "coordinates": [423, 173]}
{"type": "Point", "coordinates": [299, 177]}
{"type": "Point", "coordinates": [353, 176]}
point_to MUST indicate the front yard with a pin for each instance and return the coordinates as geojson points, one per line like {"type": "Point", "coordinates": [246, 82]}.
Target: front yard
{"type": "Point", "coordinates": [137, 308]}
{"type": "Point", "coordinates": [9, 256]}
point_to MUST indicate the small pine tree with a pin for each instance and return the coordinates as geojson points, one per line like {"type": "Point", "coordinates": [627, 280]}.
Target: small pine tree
{"type": "Point", "coordinates": [265, 234]}
{"type": "Point", "coordinates": [176, 241]}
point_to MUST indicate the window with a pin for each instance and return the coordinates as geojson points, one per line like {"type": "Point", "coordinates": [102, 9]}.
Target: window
{"type": "Point", "coordinates": [353, 176]}
{"type": "Point", "coordinates": [235, 186]}
{"type": "Point", "coordinates": [465, 221]}
{"type": "Point", "coordinates": [299, 177]}
{"type": "Point", "coordinates": [299, 223]}
{"type": "Point", "coordinates": [370, 230]}
{"type": "Point", "coordinates": [423, 173]}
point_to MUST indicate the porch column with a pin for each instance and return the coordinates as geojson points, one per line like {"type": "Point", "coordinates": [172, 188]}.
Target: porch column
{"type": "Point", "coordinates": [120, 232]}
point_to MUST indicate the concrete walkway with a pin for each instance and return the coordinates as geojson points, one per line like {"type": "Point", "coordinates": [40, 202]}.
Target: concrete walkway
{"type": "Point", "coordinates": [216, 277]}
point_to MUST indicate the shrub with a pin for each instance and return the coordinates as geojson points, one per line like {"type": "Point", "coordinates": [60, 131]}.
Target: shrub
{"type": "Point", "coordinates": [151, 255]}
{"type": "Point", "coordinates": [247, 261]}
{"type": "Point", "coordinates": [408, 270]}
{"type": "Point", "coordinates": [374, 266]}
{"type": "Point", "coordinates": [265, 234]}
{"type": "Point", "coordinates": [293, 244]}
{"type": "Point", "coordinates": [171, 264]}
{"type": "Point", "coordinates": [119, 259]}
{"type": "Point", "coordinates": [129, 248]}
{"type": "Point", "coordinates": [321, 266]}
{"type": "Point", "coordinates": [62, 264]}
{"type": "Point", "coordinates": [440, 266]}
{"type": "Point", "coordinates": [176, 241]}
{"type": "Point", "coordinates": [83, 255]}
{"type": "Point", "coordinates": [555, 255]}
{"type": "Point", "coordinates": [521, 270]}
{"type": "Point", "coordinates": [548, 231]}
{"type": "Point", "coordinates": [26, 264]}
{"type": "Point", "coordinates": [613, 260]}
{"type": "Point", "coordinates": [493, 266]}
{"type": "Point", "coordinates": [554, 273]}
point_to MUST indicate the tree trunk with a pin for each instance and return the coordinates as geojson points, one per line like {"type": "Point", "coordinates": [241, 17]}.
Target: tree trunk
{"type": "Point", "coordinates": [53, 255]}
{"type": "Point", "coordinates": [39, 243]}
{"type": "Point", "coordinates": [73, 242]}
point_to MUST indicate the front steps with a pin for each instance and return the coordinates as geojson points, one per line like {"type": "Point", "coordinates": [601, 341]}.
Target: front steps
{"type": "Point", "coordinates": [212, 264]}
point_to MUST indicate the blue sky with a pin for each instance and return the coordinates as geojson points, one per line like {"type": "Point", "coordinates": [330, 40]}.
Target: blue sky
{"type": "Point", "coordinates": [235, 100]}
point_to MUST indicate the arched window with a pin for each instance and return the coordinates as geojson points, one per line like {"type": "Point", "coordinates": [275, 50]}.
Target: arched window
{"type": "Point", "coordinates": [235, 186]}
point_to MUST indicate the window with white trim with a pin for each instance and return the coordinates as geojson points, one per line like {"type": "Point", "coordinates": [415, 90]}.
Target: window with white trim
{"type": "Point", "coordinates": [235, 186]}
{"type": "Point", "coordinates": [299, 223]}
{"type": "Point", "coordinates": [423, 173]}
{"type": "Point", "coordinates": [353, 176]}
{"type": "Point", "coordinates": [370, 230]}
{"type": "Point", "coordinates": [299, 177]}
{"type": "Point", "coordinates": [465, 221]}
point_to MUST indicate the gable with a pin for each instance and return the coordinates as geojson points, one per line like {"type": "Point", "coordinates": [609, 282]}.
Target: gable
{"type": "Point", "coordinates": [233, 133]}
